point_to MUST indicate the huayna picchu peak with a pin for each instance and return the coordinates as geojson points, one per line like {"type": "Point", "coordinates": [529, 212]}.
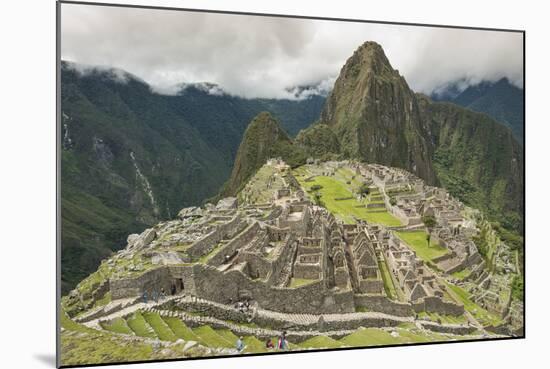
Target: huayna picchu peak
{"type": "Point", "coordinates": [372, 109]}
{"type": "Point", "coordinates": [377, 118]}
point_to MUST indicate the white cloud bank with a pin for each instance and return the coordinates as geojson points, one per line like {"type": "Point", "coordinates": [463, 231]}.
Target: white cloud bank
{"type": "Point", "coordinates": [267, 57]}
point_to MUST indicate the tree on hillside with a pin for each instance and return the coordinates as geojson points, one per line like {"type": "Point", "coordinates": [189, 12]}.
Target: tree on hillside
{"type": "Point", "coordinates": [430, 222]}
{"type": "Point", "coordinates": [316, 187]}
{"type": "Point", "coordinates": [317, 199]}
{"type": "Point", "coordinates": [363, 190]}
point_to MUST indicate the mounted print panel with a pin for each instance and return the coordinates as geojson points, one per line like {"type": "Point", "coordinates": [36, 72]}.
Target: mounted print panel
{"type": "Point", "coordinates": [235, 184]}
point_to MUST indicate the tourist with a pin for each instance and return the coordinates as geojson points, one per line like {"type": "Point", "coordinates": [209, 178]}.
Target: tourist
{"type": "Point", "coordinates": [269, 344]}
{"type": "Point", "coordinates": [240, 344]}
{"type": "Point", "coordinates": [145, 297]}
{"type": "Point", "coordinates": [281, 342]}
{"type": "Point", "coordinates": [162, 294]}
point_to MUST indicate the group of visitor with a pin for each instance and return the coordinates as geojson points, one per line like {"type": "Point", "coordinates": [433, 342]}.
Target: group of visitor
{"type": "Point", "coordinates": [282, 343]}
{"type": "Point", "coordinates": [154, 296]}
{"type": "Point", "coordinates": [243, 306]}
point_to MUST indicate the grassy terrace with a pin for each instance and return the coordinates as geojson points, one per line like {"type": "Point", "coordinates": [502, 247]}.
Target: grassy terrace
{"type": "Point", "coordinates": [140, 327]}
{"type": "Point", "coordinates": [418, 243]}
{"type": "Point", "coordinates": [334, 188]}
{"type": "Point", "coordinates": [388, 282]}
{"type": "Point", "coordinates": [118, 325]}
{"type": "Point", "coordinates": [483, 316]}
{"type": "Point", "coordinates": [375, 336]}
{"type": "Point", "coordinates": [82, 345]}
{"type": "Point", "coordinates": [161, 329]}
{"type": "Point", "coordinates": [298, 282]}
{"type": "Point", "coordinates": [462, 274]}
{"type": "Point", "coordinates": [321, 342]}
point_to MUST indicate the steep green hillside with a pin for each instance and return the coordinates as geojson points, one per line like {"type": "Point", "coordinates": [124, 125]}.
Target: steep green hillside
{"type": "Point", "coordinates": [375, 115]}
{"type": "Point", "coordinates": [478, 160]}
{"type": "Point", "coordinates": [319, 141]}
{"type": "Point", "coordinates": [263, 139]}
{"type": "Point", "coordinates": [501, 100]}
{"type": "Point", "coordinates": [131, 157]}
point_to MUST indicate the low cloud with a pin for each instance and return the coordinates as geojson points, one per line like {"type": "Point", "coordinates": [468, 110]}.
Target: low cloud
{"type": "Point", "coordinates": [275, 57]}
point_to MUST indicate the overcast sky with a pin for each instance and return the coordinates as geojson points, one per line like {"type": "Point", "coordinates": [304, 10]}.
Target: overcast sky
{"type": "Point", "coordinates": [263, 57]}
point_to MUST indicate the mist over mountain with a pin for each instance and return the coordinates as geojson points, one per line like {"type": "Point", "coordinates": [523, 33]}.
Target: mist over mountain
{"type": "Point", "coordinates": [501, 100]}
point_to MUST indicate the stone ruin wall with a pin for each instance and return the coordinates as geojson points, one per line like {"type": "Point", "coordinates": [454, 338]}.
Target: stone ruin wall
{"type": "Point", "coordinates": [307, 270]}
{"type": "Point", "coordinates": [209, 283]}
{"type": "Point", "coordinates": [382, 304]}
{"type": "Point", "coordinates": [208, 242]}
{"type": "Point", "coordinates": [371, 285]}
{"type": "Point", "coordinates": [313, 298]}
{"type": "Point", "coordinates": [131, 287]}
{"type": "Point", "coordinates": [434, 304]}
{"type": "Point", "coordinates": [242, 240]}
{"type": "Point", "coordinates": [286, 257]}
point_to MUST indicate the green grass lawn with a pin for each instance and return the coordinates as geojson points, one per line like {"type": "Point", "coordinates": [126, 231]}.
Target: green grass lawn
{"type": "Point", "coordinates": [139, 326]}
{"type": "Point", "coordinates": [347, 210]}
{"type": "Point", "coordinates": [161, 329]}
{"type": "Point", "coordinates": [368, 337]}
{"type": "Point", "coordinates": [81, 345]}
{"type": "Point", "coordinates": [228, 335]}
{"type": "Point", "coordinates": [117, 325]}
{"type": "Point", "coordinates": [321, 342]}
{"type": "Point", "coordinates": [417, 242]}
{"type": "Point", "coordinates": [462, 274]}
{"type": "Point", "coordinates": [180, 329]}
{"type": "Point", "coordinates": [252, 344]}
{"type": "Point", "coordinates": [388, 282]}
{"type": "Point", "coordinates": [481, 315]}
{"type": "Point", "coordinates": [96, 348]}
{"type": "Point", "coordinates": [375, 336]}
{"type": "Point", "coordinates": [297, 282]}
{"type": "Point", "coordinates": [209, 337]}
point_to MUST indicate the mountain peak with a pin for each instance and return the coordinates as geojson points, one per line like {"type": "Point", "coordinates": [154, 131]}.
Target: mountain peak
{"type": "Point", "coordinates": [371, 58]}
{"type": "Point", "coordinates": [263, 139]}
{"type": "Point", "coordinates": [372, 109]}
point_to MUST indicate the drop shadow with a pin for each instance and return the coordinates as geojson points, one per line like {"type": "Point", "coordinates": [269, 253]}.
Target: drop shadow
{"type": "Point", "coordinates": [48, 359]}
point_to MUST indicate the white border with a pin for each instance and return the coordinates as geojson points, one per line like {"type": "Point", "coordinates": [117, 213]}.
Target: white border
{"type": "Point", "coordinates": [27, 151]}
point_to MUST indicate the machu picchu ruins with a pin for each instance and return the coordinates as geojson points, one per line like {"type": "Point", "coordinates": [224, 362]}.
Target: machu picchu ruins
{"type": "Point", "coordinates": [265, 186]}
{"type": "Point", "coordinates": [325, 252]}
